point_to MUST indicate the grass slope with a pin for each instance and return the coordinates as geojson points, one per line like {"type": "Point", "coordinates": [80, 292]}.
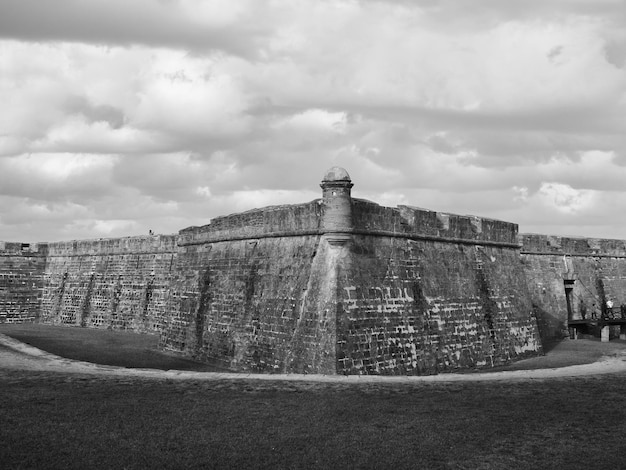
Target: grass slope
{"type": "Point", "coordinates": [74, 421]}
{"type": "Point", "coordinates": [128, 349]}
{"type": "Point", "coordinates": [100, 346]}
{"type": "Point", "coordinates": [55, 420]}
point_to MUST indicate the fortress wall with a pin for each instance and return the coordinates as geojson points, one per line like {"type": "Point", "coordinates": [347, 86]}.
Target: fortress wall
{"type": "Point", "coordinates": [402, 291]}
{"type": "Point", "coordinates": [369, 217]}
{"type": "Point", "coordinates": [246, 293]}
{"type": "Point", "coordinates": [273, 220]}
{"type": "Point", "coordinates": [21, 274]}
{"type": "Point", "coordinates": [252, 305]}
{"type": "Point", "coordinates": [336, 285]}
{"type": "Point", "coordinates": [421, 307]}
{"type": "Point", "coordinates": [119, 283]}
{"type": "Point", "coordinates": [409, 305]}
{"type": "Point", "coordinates": [595, 267]}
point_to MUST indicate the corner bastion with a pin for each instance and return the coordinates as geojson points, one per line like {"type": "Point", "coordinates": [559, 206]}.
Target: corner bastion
{"type": "Point", "coordinates": [337, 285]}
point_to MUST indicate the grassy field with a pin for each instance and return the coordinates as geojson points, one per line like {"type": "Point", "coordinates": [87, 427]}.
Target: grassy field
{"type": "Point", "coordinates": [127, 349]}
{"type": "Point", "coordinates": [74, 421]}
{"type": "Point", "coordinates": [100, 346]}
{"type": "Point", "coordinates": [54, 420]}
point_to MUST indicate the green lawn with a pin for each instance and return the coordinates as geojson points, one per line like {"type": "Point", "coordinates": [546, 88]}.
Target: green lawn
{"type": "Point", "coordinates": [74, 421]}
{"type": "Point", "coordinates": [101, 346]}
{"type": "Point", "coordinates": [64, 420]}
{"type": "Point", "coordinates": [128, 349]}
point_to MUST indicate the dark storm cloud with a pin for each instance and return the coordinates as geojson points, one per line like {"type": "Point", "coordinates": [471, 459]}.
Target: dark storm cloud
{"type": "Point", "coordinates": [477, 13]}
{"type": "Point", "coordinates": [615, 51]}
{"type": "Point", "coordinates": [76, 104]}
{"type": "Point", "coordinates": [121, 22]}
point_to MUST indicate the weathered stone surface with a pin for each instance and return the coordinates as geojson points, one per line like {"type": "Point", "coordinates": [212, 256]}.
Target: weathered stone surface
{"type": "Point", "coordinates": [594, 268]}
{"type": "Point", "coordinates": [421, 307]}
{"type": "Point", "coordinates": [115, 283]}
{"type": "Point", "coordinates": [336, 285]}
{"type": "Point", "coordinates": [21, 280]}
{"type": "Point", "coordinates": [252, 305]}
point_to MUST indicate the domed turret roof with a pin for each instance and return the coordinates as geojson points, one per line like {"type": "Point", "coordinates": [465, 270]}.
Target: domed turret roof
{"type": "Point", "coordinates": [336, 173]}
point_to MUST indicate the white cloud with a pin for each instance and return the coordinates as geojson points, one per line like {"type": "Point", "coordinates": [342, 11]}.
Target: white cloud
{"type": "Point", "coordinates": [314, 120]}
{"type": "Point", "coordinates": [245, 200]}
{"type": "Point", "coordinates": [188, 95]}
{"type": "Point", "coordinates": [521, 193]}
{"type": "Point", "coordinates": [204, 191]}
{"type": "Point", "coordinates": [54, 177]}
{"type": "Point", "coordinates": [159, 115]}
{"type": "Point", "coordinates": [564, 198]}
{"type": "Point", "coordinates": [77, 135]}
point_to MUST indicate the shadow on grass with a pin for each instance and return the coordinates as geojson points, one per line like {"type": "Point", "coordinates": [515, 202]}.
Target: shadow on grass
{"type": "Point", "coordinates": [55, 420]}
{"type": "Point", "coordinates": [106, 347]}
{"type": "Point", "coordinates": [52, 420]}
{"type": "Point", "coordinates": [133, 350]}
{"type": "Point", "coordinates": [549, 345]}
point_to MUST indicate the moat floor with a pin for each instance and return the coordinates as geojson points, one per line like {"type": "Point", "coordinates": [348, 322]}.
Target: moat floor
{"type": "Point", "coordinates": [59, 413]}
{"type": "Point", "coordinates": [62, 413]}
{"type": "Point", "coordinates": [132, 350]}
{"type": "Point", "coordinates": [107, 347]}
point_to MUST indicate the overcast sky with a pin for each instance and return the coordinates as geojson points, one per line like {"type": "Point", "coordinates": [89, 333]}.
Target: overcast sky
{"type": "Point", "coordinates": [117, 116]}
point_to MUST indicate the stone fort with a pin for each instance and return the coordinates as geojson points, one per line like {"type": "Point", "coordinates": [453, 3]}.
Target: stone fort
{"type": "Point", "coordinates": [338, 285]}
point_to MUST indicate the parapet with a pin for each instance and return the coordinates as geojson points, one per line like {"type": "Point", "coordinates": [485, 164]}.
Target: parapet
{"type": "Point", "coordinates": [287, 220]}
{"type": "Point", "coordinates": [340, 216]}
{"type": "Point", "coordinates": [413, 222]}
{"type": "Point", "coordinates": [114, 246]}
{"type": "Point", "coordinates": [16, 248]}
{"type": "Point", "coordinates": [573, 246]}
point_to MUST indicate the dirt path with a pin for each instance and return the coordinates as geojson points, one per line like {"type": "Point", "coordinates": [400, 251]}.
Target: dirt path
{"type": "Point", "coordinates": [15, 355]}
